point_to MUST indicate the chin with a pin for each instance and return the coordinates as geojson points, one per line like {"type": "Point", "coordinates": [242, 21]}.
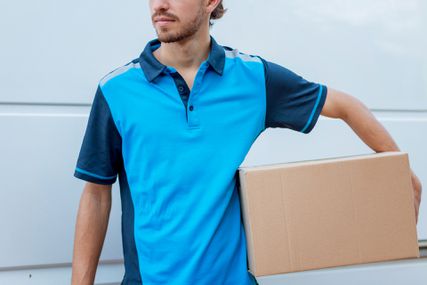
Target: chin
{"type": "Point", "coordinates": [168, 37]}
{"type": "Point", "coordinates": [165, 38]}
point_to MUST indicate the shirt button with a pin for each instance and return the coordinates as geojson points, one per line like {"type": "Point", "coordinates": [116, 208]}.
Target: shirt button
{"type": "Point", "coordinates": [180, 88]}
{"type": "Point", "coordinates": [191, 108]}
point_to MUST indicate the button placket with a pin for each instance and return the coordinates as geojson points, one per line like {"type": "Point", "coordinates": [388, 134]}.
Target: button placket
{"type": "Point", "coordinates": [181, 86]}
{"type": "Point", "coordinates": [187, 95]}
{"type": "Point", "coordinates": [193, 118]}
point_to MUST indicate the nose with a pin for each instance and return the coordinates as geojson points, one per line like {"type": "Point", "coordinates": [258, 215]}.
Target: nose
{"type": "Point", "coordinates": [159, 5]}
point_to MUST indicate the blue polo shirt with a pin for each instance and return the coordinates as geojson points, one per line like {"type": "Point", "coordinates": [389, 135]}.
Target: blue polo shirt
{"type": "Point", "coordinates": [176, 153]}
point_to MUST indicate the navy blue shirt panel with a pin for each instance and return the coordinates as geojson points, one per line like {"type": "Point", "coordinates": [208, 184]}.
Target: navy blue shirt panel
{"type": "Point", "coordinates": [131, 261]}
{"type": "Point", "coordinates": [100, 157]}
{"type": "Point", "coordinates": [292, 101]}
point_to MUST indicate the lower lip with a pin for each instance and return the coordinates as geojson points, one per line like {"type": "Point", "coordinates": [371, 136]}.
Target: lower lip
{"type": "Point", "coordinates": [164, 23]}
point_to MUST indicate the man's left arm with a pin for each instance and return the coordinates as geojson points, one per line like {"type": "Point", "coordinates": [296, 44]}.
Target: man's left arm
{"type": "Point", "coordinates": [340, 105]}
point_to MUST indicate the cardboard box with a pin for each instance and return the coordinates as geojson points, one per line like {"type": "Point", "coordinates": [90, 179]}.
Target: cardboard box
{"type": "Point", "coordinates": [325, 213]}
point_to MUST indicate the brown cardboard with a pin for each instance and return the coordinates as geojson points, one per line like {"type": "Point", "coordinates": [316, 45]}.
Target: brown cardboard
{"type": "Point", "coordinates": [325, 213]}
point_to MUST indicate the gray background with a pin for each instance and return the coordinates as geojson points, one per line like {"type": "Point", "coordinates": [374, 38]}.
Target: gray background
{"type": "Point", "coordinates": [54, 52]}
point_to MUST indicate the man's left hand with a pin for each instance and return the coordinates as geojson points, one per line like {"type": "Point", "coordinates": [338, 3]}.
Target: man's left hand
{"type": "Point", "coordinates": [416, 185]}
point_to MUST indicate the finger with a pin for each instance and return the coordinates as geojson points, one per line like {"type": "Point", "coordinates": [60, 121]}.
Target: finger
{"type": "Point", "coordinates": [416, 215]}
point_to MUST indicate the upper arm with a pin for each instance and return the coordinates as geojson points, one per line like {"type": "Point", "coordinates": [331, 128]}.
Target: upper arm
{"type": "Point", "coordinates": [99, 193]}
{"type": "Point", "coordinates": [292, 101]}
{"type": "Point", "coordinates": [338, 104]}
{"type": "Point", "coordinates": [96, 187]}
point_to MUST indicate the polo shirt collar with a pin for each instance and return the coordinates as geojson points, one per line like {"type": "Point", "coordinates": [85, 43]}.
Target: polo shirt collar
{"type": "Point", "coordinates": [152, 68]}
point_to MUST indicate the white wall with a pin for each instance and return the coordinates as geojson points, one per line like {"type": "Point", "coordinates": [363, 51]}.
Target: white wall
{"type": "Point", "coordinates": [54, 52]}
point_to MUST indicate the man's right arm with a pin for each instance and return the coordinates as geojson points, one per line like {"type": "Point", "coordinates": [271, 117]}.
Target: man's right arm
{"type": "Point", "coordinates": [91, 227]}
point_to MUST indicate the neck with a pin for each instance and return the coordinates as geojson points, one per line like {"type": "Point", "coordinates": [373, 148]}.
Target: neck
{"type": "Point", "coordinates": [185, 54]}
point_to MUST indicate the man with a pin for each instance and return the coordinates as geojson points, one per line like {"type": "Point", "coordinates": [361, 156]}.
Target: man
{"type": "Point", "coordinates": [174, 125]}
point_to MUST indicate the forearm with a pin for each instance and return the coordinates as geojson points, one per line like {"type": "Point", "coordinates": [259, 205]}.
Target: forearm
{"type": "Point", "coordinates": [91, 226]}
{"type": "Point", "coordinates": [368, 128]}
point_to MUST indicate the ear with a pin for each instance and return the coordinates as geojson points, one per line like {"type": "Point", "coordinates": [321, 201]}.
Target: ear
{"type": "Point", "coordinates": [211, 5]}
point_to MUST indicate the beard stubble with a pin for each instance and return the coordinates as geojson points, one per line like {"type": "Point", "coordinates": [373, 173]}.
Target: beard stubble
{"type": "Point", "coordinates": [186, 31]}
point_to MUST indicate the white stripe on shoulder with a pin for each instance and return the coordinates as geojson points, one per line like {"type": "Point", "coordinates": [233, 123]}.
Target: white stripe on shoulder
{"type": "Point", "coordinates": [236, 54]}
{"type": "Point", "coordinates": [118, 71]}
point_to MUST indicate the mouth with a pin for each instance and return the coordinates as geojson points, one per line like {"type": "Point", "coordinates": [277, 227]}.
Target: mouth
{"type": "Point", "coordinates": [161, 21]}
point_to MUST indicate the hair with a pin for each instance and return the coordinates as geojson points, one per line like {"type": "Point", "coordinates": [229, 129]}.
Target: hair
{"type": "Point", "coordinates": [217, 13]}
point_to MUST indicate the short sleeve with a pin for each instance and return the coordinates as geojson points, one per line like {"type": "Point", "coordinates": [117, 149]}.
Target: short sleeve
{"type": "Point", "coordinates": [292, 101]}
{"type": "Point", "coordinates": [100, 157]}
